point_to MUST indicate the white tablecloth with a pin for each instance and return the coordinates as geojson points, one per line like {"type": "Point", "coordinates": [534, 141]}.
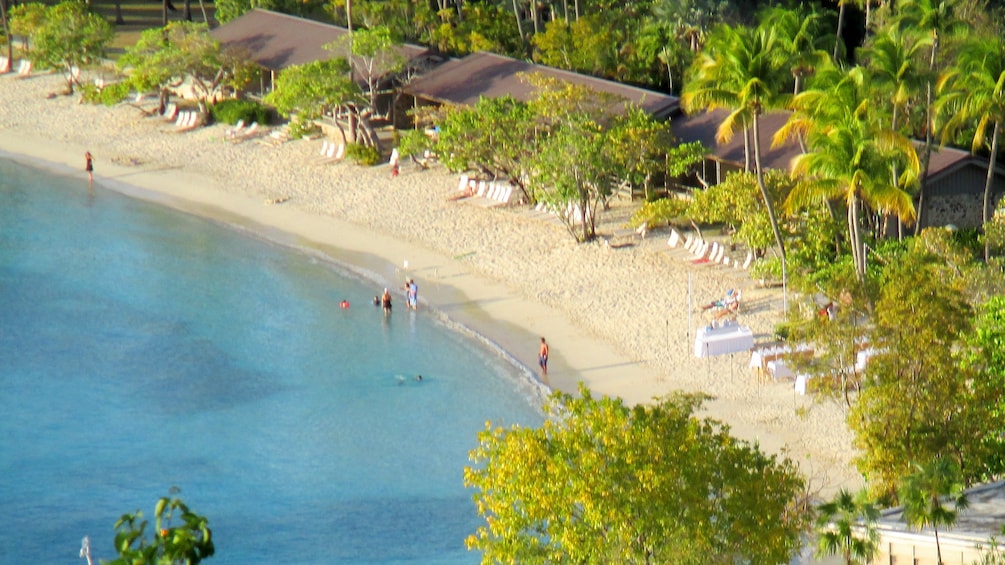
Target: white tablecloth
{"type": "Point", "coordinates": [720, 341]}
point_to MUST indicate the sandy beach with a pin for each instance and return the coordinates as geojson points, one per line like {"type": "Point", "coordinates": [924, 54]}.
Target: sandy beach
{"type": "Point", "coordinates": [617, 317]}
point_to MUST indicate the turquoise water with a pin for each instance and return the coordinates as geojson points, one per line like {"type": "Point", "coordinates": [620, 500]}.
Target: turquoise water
{"type": "Point", "coordinates": [143, 349]}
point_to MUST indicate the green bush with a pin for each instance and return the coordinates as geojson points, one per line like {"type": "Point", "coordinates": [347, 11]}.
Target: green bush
{"type": "Point", "coordinates": [363, 154]}
{"type": "Point", "coordinates": [660, 212]}
{"type": "Point", "coordinates": [89, 93]}
{"type": "Point", "coordinates": [299, 129]}
{"type": "Point", "coordinates": [234, 110]}
{"type": "Point", "coordinates": [114, 93]}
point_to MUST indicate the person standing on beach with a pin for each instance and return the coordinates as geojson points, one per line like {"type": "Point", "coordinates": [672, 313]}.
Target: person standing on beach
{"type": "Point", "coordinates": [395, 158]}
{"type": "Point", "coordinates": [89, 167]}
{"type": "Point", "coordinates": [413, 294]}
{"type": "Point", "coordinates": [542, 357]}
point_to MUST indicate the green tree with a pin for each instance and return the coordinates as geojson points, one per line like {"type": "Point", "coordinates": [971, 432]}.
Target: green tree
{"type": "Point", "coordinates": [307, 92]}
{"type": "Point", "coordinates": [984, 358]}
{"type": "Point", "coordinates": [601, 482]}
{"type": "Point", "coordinates": [973, 91]}
{"type": "Point", "coordinates": [740, 70]}
{"type": "Point", "coordinates": [846, 526]}
{"type": "Point", "coordinates": [67, 36]}
{"type": "Point", "coordinates": [922, 494]}
{"type": "Point", "coordinates": [496, 137]}
{"type": "Point", "coordinates": [916, 403]}
{"type": "Point", "coordinates": [642, 148]}
{"type": "Point", "coordinates": [582, 46]}
{"type": "Point", "coordinates": [185, 543]}
{"type": "Point", "coordinates": [165, 58]}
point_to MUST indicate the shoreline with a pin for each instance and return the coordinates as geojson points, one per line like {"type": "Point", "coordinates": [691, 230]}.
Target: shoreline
{"type": "Point", "coordinates": [617, 319]}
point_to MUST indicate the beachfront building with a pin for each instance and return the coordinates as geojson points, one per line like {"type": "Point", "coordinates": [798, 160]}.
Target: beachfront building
{"type": "Point", "coordinates": [276, 41]}
{"type": "Point", "coordinates": [955, 194]}
{"type": "Point", "coordinates": [464, 81]}
{"type": "Point", "coordinates": [962, 545]}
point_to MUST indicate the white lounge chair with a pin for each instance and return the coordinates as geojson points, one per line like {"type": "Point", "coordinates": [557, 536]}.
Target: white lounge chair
{"type": "Point", "coordinates": [231, 133]}
{"type": "Point", "coordinates": [462, 185]}
{"type": "Point", "coordinates": [246, 133]}
{"type": "Point", "coordinates": [170, 112]}
{"type": "Point", "coordinates": [748, 260]}
{"type": "Point", "coordinates": [3, 62]}
{"type": "Point", "coordinates": [674, 240]}
{"type": "Point", "coordinates": [24, 69]}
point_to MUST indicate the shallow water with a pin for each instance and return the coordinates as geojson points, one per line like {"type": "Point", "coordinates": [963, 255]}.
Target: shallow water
{"type": "Point", "coordinates": [143, 349]}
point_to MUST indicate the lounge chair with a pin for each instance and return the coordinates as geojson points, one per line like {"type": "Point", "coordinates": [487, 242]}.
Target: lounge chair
{"type": "Point", "coordinates": [170, 112]}
{"type": "Point", "coordinates": [674, 240]}
{"type": "Point", "coordinates": [24, 69]}
{"type": "Point", "coordinates": [748, 260]}
{"type": "Point", "coordinates": [233, 132]}
{"type": "Point", "coordinates": [3, 62]}
{"type": "Point", "coordinates": [245, 133]}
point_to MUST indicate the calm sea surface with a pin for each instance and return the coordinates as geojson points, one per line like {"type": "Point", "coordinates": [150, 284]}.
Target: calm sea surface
{"type": "Point", "coordinates": [143, 349]}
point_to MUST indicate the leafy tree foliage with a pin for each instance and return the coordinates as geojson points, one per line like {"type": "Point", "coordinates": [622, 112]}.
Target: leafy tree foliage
{"type": "Point", "coordinates": [984, 357]}
{"type": "Point", "coordinates": [187, 543]}
{"type": "Point", "coordinates": [166, 58]}
{"type": "Point", "coordinates": [227, 10]}
{"type": "Point", "coordinates": [307, 92]}
{"type": "Point", "coordinates": [63, 36]}
{"type": "Point", "coordinates": [581, 46]}
{"type": "Point", "coordinates": [600, 482]}
{"type": "Point", "coordinates": [916, 404]}
{"type": "Point", "coordinates": [846, 526]}
{"type": "Point", "coordinates": [922, 493]}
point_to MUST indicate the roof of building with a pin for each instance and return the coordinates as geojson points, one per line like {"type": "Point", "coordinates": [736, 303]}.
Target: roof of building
{"type": "Point", "coordinates": [702, 127]}
{"type": "Point", "coordinates": [465, 81]}
{"type": "Point", "coordinates": [276, 41]}
{"type": "Point", "coordinates": [982, 519]}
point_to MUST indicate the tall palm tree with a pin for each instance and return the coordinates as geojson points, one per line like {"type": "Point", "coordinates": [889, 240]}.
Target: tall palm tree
{"type": "Point", "coordinates": [846, 526]}
{"type": "Point", "coordinates": [742, 70]}
{"type": "Point", "coordinates": [850, 153]}
{"type": "Point", "coordinates": [938, 19]}
{"type": "Point", "coordinates": [801, 37]}
{"type": "Point", "coordinates": [974, 90]}
{"type": "Point", "coordinates": [922, 494]}
{"type": "Point", "coordinates": [892, 60]}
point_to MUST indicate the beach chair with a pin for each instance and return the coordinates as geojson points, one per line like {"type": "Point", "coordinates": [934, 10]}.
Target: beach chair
{"type": "Point", "coordinates": [717, 254]}
{"type": "Point", "coordinates": [462, 184]}
{"type": "Point", "coordinates": [674, 240]}
{"type": "Point", "coordinates": [24, 69]}
{"type": "Point", "coordinates": [748, 260]}
{"type": "Point", "coordinates": [246, 133]}
{"type": "Point", "coordinates": [3, 62]}
{"type": "Point", "coordinates": [234, 131]}
{"type": "Point", "coordinates": [170, 112]}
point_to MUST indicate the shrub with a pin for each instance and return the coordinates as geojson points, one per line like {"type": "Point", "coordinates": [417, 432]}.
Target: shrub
{"type": "Point", "coordinates": [234, 110]}
{"type": "Point", "coordinates": [362, 154]}
{"type": "Point", "coordinates": [659, 212]}
{"type": "Point", "coordinates": [113, 93]}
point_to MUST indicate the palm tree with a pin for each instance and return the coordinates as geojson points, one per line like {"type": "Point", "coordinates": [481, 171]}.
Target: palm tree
{"type": "Point", "coordinates": [741, 70]}
{"type": "Point", "coordinates": [850, 153]}
{"type": "Point", "coordinates": [846, 526]}
{"type": "Point", "coordinates": [938, 18]}
{"type": "Point", "coordinates": [801, 35]}
{"type": "Point", "coordinates": [974, 90]}
{"type": "Point", "coordinates": [892, 60]}
{"type": "Point", "coordinates": [922, 494]}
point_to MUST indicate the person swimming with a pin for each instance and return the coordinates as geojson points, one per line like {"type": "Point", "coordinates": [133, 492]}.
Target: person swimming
{"type": "Point", "coordinates": [418, 378]}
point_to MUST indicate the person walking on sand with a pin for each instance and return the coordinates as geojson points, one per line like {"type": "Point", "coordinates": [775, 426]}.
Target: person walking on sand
{"type": "Point", "coordinates": [542, 357]}
{"type": "Point", "coordinates": [89, 167]}
{"type": "Point", "coordinates": [395, 158]}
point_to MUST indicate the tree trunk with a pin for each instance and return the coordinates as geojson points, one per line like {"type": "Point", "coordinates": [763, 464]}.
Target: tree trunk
{"type": "Point", "coordinates": [164, 12]}
{"type": "Point", "coordinates": [988, 186]}
{"type": "Point", "coordinates": [348, 25]}
{"type": "Point", "coordinates": [202, 7]}
{"type": "Point", "coordinates": [764, 189]}
{"type": "Point", "coordinates": [926, 156]}
{"type": "Point", "coordinates": [837, 40]}
{"type": "Point", "coordinates": [855, 235]}
{"type": "Point", "coordinates": [519, 22]}
{"type": "Point", "coordinates": [188, 10]}
{"type": "Point", "coordinates": [6, 33]}
{"type": "Point", "coordinates": [119, 20]}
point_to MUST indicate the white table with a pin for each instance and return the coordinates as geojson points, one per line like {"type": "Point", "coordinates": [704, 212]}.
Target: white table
{"type": "Point", "coordinates": [720, 341]}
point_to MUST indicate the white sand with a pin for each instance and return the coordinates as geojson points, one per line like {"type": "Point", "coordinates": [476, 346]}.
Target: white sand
{"type": "Point", "coordinates": [616, 318]}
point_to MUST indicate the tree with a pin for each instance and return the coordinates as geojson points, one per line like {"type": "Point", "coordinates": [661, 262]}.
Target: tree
{"type": "Point", "coordinates": [187, 543]}
{"type": "Point", "coordinates": [165, 58]}
{"type": "Point", "coordinates": [496, 136]}
{"type": "Point", "coordinates": [741, 71]}
{"type": "Point", "coordinates": [922, 494]}
{"type": "Point", "coordinates": [984, 358]}
{"type": "Point", "coordinates": [916, 403]}
{"type": "Point", "coordinates": [373, 54]}
{"type": "Point", "coordinates": [312, 90]}
{"type": "Point", "coordinates": [642, 147]}
{"type": "Point", "coordinates": [850, 154]}
{"type": "Point", "coordinates": [7, 37]}
{"type": "Point", "coordinates": [67, 36]}
{"type": "Point", "coordinates": [973, 91]}
{"type": "Point", "coordinates": [601, 482]}
{"type": "Point", "coordinates": [846, 526]}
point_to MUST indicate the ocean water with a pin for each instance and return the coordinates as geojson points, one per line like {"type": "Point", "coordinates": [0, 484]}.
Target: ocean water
{"type": "Point", "coordinates": [143, 350]}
